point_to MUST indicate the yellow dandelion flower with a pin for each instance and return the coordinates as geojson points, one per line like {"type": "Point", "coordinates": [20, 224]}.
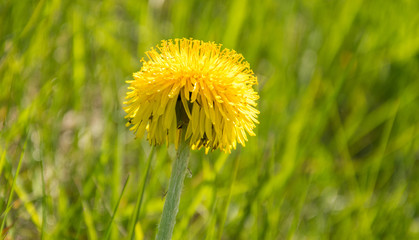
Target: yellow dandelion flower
{"type": "Point", "coordinates": [193, 85]}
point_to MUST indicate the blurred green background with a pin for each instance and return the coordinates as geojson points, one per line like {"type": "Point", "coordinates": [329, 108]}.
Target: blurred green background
{"type": "Point", "coordinates": [336, 152]}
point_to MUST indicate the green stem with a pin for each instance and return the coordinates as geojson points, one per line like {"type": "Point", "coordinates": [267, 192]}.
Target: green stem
{"type": "Point", "coordinates": [171, 205]}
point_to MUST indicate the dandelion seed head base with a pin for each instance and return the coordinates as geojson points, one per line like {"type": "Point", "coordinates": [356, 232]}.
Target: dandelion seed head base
{"type": "Point", "coordinates": [193, 86]}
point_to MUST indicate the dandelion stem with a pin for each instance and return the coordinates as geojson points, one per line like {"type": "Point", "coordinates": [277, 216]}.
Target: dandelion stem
{"type": "Point", "coordinates": [171, 205]}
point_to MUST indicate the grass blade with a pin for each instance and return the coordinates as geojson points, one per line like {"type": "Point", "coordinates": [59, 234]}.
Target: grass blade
{"type": "Point", "coordinates": [108, 232]}
{"type": "Point", "coordinates": [137, 209]}
{"type": "Point", "coordinates": [9, 201]}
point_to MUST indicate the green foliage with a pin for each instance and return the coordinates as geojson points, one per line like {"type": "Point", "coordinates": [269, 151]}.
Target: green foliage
{"type": "Point", "coordinates": [336, 152]}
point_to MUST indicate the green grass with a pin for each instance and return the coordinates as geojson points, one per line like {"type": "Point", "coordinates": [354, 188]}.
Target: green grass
{"type": "Point", "coordinates": [336, 152]}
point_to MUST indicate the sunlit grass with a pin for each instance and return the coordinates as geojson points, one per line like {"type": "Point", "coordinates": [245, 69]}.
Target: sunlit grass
{"type": "Point", "coordinates": [335, 154]}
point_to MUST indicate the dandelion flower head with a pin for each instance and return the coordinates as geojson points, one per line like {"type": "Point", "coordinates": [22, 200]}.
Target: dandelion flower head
{"type": "Point", "coordinates": [193, 86]}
